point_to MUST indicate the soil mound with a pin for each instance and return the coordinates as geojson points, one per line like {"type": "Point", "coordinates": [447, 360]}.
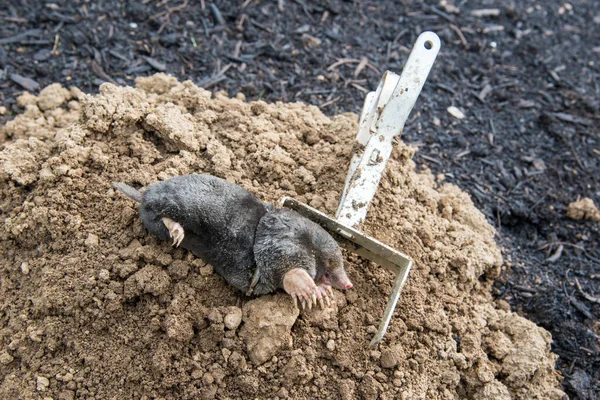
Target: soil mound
{"type": "Point", "coordinates": [91, 306]}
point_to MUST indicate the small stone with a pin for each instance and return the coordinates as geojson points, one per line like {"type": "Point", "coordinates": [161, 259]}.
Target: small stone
{"type": "Point", "coordinates": [297, 370]}
{"type": "Point", "coordinates": [331, 345]}
{"type": "Point", "coordinates": [226, 353]}
{"type": "Point", "coordinates": [25, 268]}
{"type": "Point", "coordinates": [178, 269]}
{"type": "Point", "coordinates": [197, 373]}
{"type": "Point", "coordinates": [539, 164]}
{"type": "Point", "coordinates": [455, 112]}
{"type": "Point", "coordinates": [2, 110]}
{"type": "Point", "coordinates": [283, 393]}
{"type": "Point", "coordinates": [66, 395]}
{"type": "Point", "coordinates": [208, 379]}
{"type": "Point", "coordinates": [42, 383]}
{"type": "Point", "coordinates": [311, 138]}
{"type": "Point", "coordinates": [215, 316]}
{"type": "Point", "coordinates": [503, 305]}
{"type": "Point", "coordinates": [5, 358]}
{"type": "Point", "coordinates": [310, 41]}
{"type": "Point", "coordinates": [91, 241]}
{"type": "Point", "coordinates": [68, 377]}
{"type": "Point", "coordinates": [238, 361]}
{"type": "Point", "coordinates": [35, 335]}
{"type": "Point", "coordinates": [206, 270]}
{"type": "Point", "coordinates": [233, 319]}
{"type": "Point", "coordinates": [268, 322]}
{"type": "Point", "coordinates": [390, 357]}
{"type": "Point", "coordinates": [178, 327]}
{"type": "Point", "coordinates": [104, 275]}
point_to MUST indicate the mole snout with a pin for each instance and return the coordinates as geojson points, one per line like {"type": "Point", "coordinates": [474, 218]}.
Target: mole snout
{"type": "Point", "coordinates": [338, 279]}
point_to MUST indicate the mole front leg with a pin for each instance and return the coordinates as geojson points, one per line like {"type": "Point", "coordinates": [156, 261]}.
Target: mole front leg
{"type": "Point", "coordinates": [175, 231]}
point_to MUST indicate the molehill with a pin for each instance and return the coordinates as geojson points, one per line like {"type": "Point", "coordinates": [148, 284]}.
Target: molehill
{"type": "Point", "coordinates": [94, 307]}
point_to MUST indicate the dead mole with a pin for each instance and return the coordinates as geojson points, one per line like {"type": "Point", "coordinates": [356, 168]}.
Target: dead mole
{"type": "Point", "coordinates": [256, 247]}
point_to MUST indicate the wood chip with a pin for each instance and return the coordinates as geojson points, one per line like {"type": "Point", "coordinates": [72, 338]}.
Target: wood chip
{"type": "Point", "coordinates": [493, 28]}
{"type": "Point", "coordinates": [455, 112]}
{"type": "Point", "coordinates": [25, 83]}
{"type": "Point", "coordinates": [572, 119]}
{"type": "Point", "coordinates": [99, 71]}
{"type": "Point", "coordinates": [487, 89]}
{"type": "Point", "coordinates": [20, 36]}
{"type": "Point", "coordinates": [157, 65]}
{"type": "Point", "coordinates": [310, 41]}
{"type": "Point", "coordinates": [554, 257]}
{"type": "Point", "coordinates": [486, 12]}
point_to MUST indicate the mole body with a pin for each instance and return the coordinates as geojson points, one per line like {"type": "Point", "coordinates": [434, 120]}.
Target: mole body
{"type": "Point", "coordinates": [242, 237]}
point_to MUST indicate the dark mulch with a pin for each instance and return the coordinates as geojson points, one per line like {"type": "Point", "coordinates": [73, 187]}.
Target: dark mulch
{"type": "Point", "coordinates": [528, 80]}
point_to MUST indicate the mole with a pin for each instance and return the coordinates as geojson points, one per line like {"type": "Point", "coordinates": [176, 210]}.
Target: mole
{"type": "Point", "coordinates": [256, 247]}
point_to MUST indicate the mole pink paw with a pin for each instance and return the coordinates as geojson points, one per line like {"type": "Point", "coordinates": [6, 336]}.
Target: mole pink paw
{"type": "Point", "coordinates": [175, 231]}
{"type": "Point", "coordinates": [299, 284]}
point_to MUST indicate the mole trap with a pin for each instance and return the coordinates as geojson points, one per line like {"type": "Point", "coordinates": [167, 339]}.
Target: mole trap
{"type": "Point", "coordinates": [383, 116]}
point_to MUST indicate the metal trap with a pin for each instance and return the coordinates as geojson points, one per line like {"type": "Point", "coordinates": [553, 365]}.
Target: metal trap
{"type": "Point", "coordinates": [383, 116]}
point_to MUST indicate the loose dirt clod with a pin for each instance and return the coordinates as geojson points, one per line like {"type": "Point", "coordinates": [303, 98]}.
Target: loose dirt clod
{"type": "Point", "coordinates": [583, 209]}
{"type": "Point", "coordinates": [128, 316]}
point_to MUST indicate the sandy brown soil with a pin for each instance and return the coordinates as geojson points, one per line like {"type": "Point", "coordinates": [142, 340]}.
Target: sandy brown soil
{"type": "Point", "coordinates": [93, 307]}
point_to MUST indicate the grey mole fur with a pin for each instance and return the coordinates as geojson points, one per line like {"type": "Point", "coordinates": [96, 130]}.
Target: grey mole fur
{"type": "Point", "coordinates": [229, 228]}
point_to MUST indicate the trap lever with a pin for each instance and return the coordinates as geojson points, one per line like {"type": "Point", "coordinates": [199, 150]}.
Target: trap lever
{"type": "Point", "coordinates": [383, 116]}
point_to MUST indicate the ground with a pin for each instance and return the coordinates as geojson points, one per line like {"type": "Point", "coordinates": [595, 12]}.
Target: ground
{"type": "Point", "coordinates": [526, 78]}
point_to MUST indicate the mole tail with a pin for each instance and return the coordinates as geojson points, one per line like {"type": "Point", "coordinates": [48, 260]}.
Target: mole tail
{"type": "Point", "coordinates": [128, 191]}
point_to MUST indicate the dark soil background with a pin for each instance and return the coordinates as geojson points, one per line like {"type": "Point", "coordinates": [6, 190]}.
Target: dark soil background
{"type": "Point", "coordinates": [526, 75]}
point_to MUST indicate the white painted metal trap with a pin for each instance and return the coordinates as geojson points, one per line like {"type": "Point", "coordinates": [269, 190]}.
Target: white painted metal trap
{"type": "Point", "coordinates": [383, 116]}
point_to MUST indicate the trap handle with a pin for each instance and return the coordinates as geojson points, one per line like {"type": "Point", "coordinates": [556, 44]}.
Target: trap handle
{"type": "Point", "coordinates": [384, 114]}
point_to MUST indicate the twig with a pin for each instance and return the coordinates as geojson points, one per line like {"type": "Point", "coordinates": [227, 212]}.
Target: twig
{"type": "Point", "coordinates": [487, 12]}
{"type": "Point", "coordinates": [461, 36]}
{"type": "Point", "coordinates": [330, 102]}
{"type": "Point", "coordinates": [361, 65]}
{"type": "Point", "coordinates": [562, 244]}
{"type": "Point", "coordinates": [584, 294]}
{"type": "Point", "coordinates": [171, 10]}
{"type": "Point", "coordinates": [554, 257]}
{"type": "Point", "coordinates": [343, 61]}
{"type": "Point", "coordinates": [357, 86]}
{"type": "Point", "coordinates": [55, 47]}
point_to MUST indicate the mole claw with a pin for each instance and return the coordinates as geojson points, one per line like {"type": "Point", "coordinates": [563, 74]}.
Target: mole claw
{"type": "Point", "coordinates": [330, 291]}
{"type": "Point", "coordinates": [303, 304]}
{"type": "Point", "coordinates": [314, 299]}
{"type": "Point", "coordinates": [295, 301]}
{"type": "Point", "coordinates": [321, 303]}
{"type": "Point", "coordinates": [328, 300]}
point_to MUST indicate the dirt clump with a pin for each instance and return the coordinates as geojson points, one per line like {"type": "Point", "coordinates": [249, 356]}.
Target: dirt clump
{"type": "Point", "coordinates": [583, 209]}
{"type": "Point", "coordinates": [103, 310]}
